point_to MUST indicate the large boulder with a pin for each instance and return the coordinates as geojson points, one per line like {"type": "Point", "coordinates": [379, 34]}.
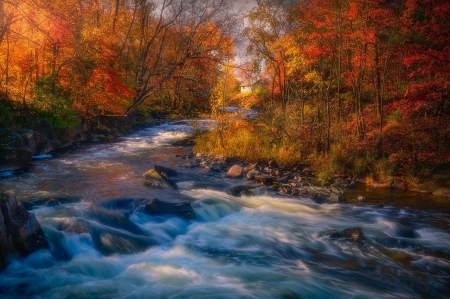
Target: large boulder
{"type": "Point", "coordinates": [43, 144]}
{"type": "Point", "coordinates": [160, 207]}
{"type": "Point", "coordinates": [166, 170]}
{"type": "Point", "coordinates": [77, 134]}
{"type": "Point", "coordinates": [10, 138]}
{"type": "Point", "coordinates": [153, 206]}
{"type": "Point", "coordinates": [159, 178]}
{"type": "Point", "coordinates": [28, 139]}
{"type": "Point", "coordinates": [13, 159]}
{"type": "Point", "coordinates": [236, 171]}
{"type": "Point", "coordinates": [20, 232]}
{"type": "Point", "coordinates": [45, 128]}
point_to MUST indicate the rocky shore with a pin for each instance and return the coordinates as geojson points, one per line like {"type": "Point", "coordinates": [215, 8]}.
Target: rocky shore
{"type": "Point", "coordinates": [270, 177]}
{"type": "Point", "coordinates": [18, 147]}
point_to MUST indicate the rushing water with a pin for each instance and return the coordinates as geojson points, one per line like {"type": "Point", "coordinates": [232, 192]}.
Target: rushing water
{"type": "Point", "coordinates": [238, 247]}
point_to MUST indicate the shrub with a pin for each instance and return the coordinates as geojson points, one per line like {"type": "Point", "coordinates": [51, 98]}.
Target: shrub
{"type": "Point", "coordinates": [52, 102]}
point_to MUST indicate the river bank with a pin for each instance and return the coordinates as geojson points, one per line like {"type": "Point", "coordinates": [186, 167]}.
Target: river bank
{"type": "Point", "coordinates": [18, 147]}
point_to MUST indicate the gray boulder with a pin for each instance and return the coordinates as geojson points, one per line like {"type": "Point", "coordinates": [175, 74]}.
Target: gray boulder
{"type": "Point", "coordinates": [10, 138]}
{"type": "Point", "coordinates": [28, 139]}
{"type": "Point", "coordinates": [160, 207]}
{"type": "Point", "coordinates": [167, 170]}
{"type": "Point", "coordinates": [43, 144]}
{"type": "Point", "coordinates": [20, 232]}
{"type": "Point", "coordinates": [45, 128]}
{"type": "Point", "coordinates": [236, 171]}
{"type": "Point", "coordinates": [158, 178]}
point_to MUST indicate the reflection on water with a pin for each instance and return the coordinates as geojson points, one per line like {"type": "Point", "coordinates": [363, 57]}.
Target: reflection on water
{"type": "Point", "coordinates": [247, 247]}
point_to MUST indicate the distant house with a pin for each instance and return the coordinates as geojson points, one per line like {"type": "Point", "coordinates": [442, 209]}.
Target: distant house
{"type": "Point", "coordinates": [250, 85]}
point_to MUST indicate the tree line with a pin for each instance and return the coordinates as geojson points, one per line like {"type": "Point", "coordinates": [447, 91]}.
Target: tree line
{"type": "Point", "coordinates": [102, 57]}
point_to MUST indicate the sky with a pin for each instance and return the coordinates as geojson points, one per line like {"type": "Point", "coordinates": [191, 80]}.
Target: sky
{"type": "Point", "coordinates": [241, 49]}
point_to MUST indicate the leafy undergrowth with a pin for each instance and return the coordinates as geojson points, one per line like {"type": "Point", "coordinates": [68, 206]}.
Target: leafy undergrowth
{"type": "Point", "coordinates": [250, 141]}
{"type": "Point", "coordinates": [409, 154]}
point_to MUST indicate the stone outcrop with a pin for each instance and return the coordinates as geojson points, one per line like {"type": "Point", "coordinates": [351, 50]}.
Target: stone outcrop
{"type": "Point", "coordinates": [20, 232]}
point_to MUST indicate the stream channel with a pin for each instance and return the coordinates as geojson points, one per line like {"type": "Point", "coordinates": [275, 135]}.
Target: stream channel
{"type": "Point", "coordinates": [237, 247]}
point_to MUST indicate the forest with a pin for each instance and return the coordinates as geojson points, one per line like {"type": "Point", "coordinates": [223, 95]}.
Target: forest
{"type": "Point", "coordinates": [354, 87]}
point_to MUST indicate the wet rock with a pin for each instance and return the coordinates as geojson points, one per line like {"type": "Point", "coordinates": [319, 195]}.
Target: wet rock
{"type": "Point", "coordinates": [339, 181]}
{"type": "Point", "coordinates": [285, 190]}
{"type": "Point", "coordinates": [49, 201]}
{"type": "Point", "coordinates": [337, 195]}
{"type": "Point", "coordinates": [405, 232]}
{"type": "Point", "coordinates": [45, 128]}
{"type": "Point", "coordinates": [351, 184]}
{"type": "Point", "coordinates": [188, 141]}
{"type": "Point", "coordinates": [273, 164]}
{"type": "Point", "coordinates": [236, 171]}
{"type": "Point", "coordinates": [251, 174]}
{"type": "Point", "coordinates": [259, 191]}
{"type": "Point", "coordinates": [20, 232]}
{"type": "Point", "coordinates": [181, 209]}
{"type": "Point", "coordinates": [217, 166]}
{"type": "Point", "coordinates": [264, 179]}
{"type": "Point", "coordinates": [355, 234]}
{"type": "Point", "coordinates": [241, 189]}
{"type": "Point", "coordinates": [258, 166]}
{"type": "Point", "coordinates": [166, 170]}
{"type": "Point", "coordinates": [317, 198]}
{"type": "Point", "coordinates": [285, 180]}
{"type": "Point", "coordinates": [361, 198]}
{"type": "Point", "coordinates": [13, 159]}
{"type": "Point", "coordinates": [273, 187]}
{"type": "Point", "coordinates": [191, 165]}
{"type": "Point", "coordinates": [390, 242]}
{"type": "Point", "coordinates": [159, 179]}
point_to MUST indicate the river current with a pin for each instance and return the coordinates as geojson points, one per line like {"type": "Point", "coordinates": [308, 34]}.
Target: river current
{"type": "Point", "coordinates": [238, 247]}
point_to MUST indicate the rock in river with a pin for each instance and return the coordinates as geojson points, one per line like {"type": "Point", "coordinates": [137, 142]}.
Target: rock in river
{"type": "Point", "coordinates": [355, 234]}
{"type": "Point", "coordinates": [20, 232]}
{"type": "Point", "coordinates": [160, 207]}
{"type": "Point", "coordinates": [157, 177]}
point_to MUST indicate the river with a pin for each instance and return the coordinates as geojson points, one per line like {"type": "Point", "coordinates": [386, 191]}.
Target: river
{"type": "Point", "coordinates": [238, 247]}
